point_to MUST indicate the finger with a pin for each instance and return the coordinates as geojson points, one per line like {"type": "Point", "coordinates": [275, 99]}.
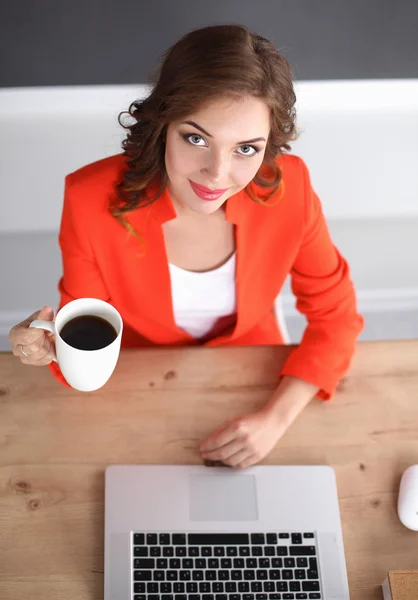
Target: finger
{"type": "Point", "coordinates": [248, 462]}
{"type": "Point", "coordinates": [37, 363]}
{"type": "Point", "coordinates": [235, 459]}
{"type": "Point", "coordinates": [224, 452]}
{"type": "Point", "coordinates": [23, 334]}
{"type": "Point", "coordinates": [221, 436]}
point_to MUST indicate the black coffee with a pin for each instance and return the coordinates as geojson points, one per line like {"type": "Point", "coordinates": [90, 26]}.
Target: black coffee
{"type": "Point", "coordinates": [88, 333]}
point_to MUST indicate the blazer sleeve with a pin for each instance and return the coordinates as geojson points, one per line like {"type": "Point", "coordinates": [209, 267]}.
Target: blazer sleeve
{"type": "Point", "coordinates": [325, 295]}
{"type": "Point", "coordinates": [81, 275]}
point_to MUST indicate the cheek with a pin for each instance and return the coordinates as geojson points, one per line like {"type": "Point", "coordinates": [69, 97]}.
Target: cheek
{"type": "Point", "coordinates": [180, 161]}
{"type": "Point", "coordinates": [244, 170]}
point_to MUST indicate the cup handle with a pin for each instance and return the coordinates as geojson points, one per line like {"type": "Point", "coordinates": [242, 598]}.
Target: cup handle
{"type": "Point", "coordinates": [48, 325]}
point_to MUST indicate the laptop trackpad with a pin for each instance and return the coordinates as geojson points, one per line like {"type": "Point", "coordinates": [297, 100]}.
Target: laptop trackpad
{"type": "Point", "coordinates": [228, 497]}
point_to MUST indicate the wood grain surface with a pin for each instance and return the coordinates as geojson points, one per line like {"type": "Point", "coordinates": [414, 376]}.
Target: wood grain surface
{"type": "Point", "coordinates": [55, 443]}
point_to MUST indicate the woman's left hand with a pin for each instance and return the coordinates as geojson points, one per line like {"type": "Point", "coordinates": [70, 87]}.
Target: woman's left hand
{"type": "Point", "coordinates": [244, 441]}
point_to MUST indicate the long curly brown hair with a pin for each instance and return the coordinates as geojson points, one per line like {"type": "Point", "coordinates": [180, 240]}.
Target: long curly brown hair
{"type": "Point", "coordinates": [220, 61]}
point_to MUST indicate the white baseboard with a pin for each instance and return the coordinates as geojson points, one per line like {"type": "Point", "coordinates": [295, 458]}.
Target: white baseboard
{"type": "Point", "coordinates": [369, 302]}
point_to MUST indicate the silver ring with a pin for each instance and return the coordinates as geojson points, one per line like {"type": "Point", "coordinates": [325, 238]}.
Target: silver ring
{"type": "Point", "coordinates": [22, 351]}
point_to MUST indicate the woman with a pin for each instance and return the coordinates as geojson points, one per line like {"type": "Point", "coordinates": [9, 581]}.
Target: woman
{"type": "Point", "coordinates": [192, 231]}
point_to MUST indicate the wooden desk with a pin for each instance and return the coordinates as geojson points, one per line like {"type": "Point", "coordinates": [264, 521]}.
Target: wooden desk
{"type": "Point", "coordinates": [55, 444]}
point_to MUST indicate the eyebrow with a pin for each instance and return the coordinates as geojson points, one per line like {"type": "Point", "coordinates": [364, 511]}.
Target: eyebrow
{"type": "Point", "coordinates": [193, 124]}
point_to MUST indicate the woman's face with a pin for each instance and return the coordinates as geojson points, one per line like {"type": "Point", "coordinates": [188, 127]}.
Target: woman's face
{"type": "Point", "coordinates": [215, 152]}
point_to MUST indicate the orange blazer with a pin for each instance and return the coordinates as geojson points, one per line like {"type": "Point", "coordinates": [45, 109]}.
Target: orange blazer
{"type": "Point", "coordinates": [101, 259]}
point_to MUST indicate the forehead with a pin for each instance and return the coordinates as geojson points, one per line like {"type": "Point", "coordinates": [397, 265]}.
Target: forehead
{"type": "Point", "coordinates": [246, 118]}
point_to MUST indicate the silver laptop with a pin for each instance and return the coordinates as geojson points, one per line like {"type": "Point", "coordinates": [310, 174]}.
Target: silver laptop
{"type": "Point", "coordinates": [214, 533]}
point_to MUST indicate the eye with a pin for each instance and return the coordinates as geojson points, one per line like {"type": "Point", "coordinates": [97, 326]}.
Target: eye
{"type": "Point", "coordinates": [194, 139]}
{"type": "Point", "coordinates": [248, 150]}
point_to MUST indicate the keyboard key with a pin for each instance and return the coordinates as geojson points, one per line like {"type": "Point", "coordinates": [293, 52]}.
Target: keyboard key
{"type": "Point", "coordinates": [152, 587]}
{"type": "Point", "coordinates": [269, 586]}
{"type": "Point", "coordinates": [230, 587]}
{"type": "Point", "coordinates": [185, 575]}
{"type": "Point", "coordinates": [213, 563]}
{"type": "Point", "coordinates": [178, 587]}
{"type": "Point", "coordinates": [218, 539]}
{"type": "Point", "coordinates": [208, 597]}
{"type": "Point", "coordinates": [261, 596]}
{"type": "Point", "coordinates": [302, 596]}
{"type": "Point", "coordinates": [310, 586]}
{"type": "Point", "coordinates": [174, 563]}
{"type": "Point", "coordinates": [210, 575]}
{"type": "Point", "coordinates": [302, 562]}
{"type": "Point", "coordinates": [172, 575]}
{"type": "Point", "coordinates": [251, 563]}
{"type": "Point", "coordinates": [198, 575]}
{"type": "Point", "coordinates": [249, 575]}
{"type": "Point", "coordinates": [217, 587]}
{"type": "Point", "coordinates": [155, 551]}
{"type": "Point", "coordinates": [204, 587]}
{"type": "Point", "coordinates": [243, 587]}
{"type": "Point", "coordinates": [281, 586]}
{"type": "Point", "coordinates": [152, 539]}
{"type": "Point", "coordinates": [164, 539]}
{"type": "Point", "coordinates": [239, 563]}
{"type": "Point", "coordinates": [139, 539]}
{"type": "Point", "coordinates": [180, 597]}
{"type": "Point", "coordinates": [315, 595]}
{"type": "Point", "coordinates": [144, 563]}
{"type": "Point", "coordinates": [288, 596]}
{"type": "Point", "coordinates": [256, 586]}
{"type": "Point", "coordinates": [302, 550]}
{"type": "Point", "coordinates": [312, 574]}
{"type": "Point", "coordinates": [294, 586]}
{"type": "Point", "coordinates": [141, 551]}
{"type": "Point", "coordinates": [308, 535]}
{"type": "Point", "coordinates": [181, 551]}
{"type": "Point", "coordinates": [206, 551]}
{"type": "Point", "coordinates": [167, 597]}
{"type": "Point", "coordinates": [139, 588]}
{"type": "Point", "coordinates": [218, 551]}
{"type": "Point", "coordinates": [231, 551]}
{"type": "Point", "coordinates": [287, 574]}
{"type": "Point", "coordinates": [191, 587]}
{"type": "Point", "coordinates": [234, 596]}
{"type": "Point", "coordinates": [296, 538]}
{"type": "Point", "coordinates": [275, 596]}
{"type": "Point", "coordinates": [313, 564]}
{"type": "Point", "coordinates": [244, 551]}
{"type": "Point", "coordinates": [284, 536]}
{"type": "Point", "coordinates": [200, 563]}
{"type": "Point", "coordinates": [159, 575]}
{"type": "Point", "coordinates": [269, 550]}
{"type": "Point", "coordinates": [271, 538]}
{"type": "Point", "coordinates": [153, 597]}
{"type": "Point", "coordinates": [258, 538]}
{"type": "Point", "coordinates": [143, 576]}
{"type": "Point", "coordinates": [162, 563]}
{"type": "Point", "coordinates": [223, 575]}
{"type": "Point", "coordinates": [257, 551]}
{"type": "Point", "coordinates": [289, 563]}
{"type": "Point", "coordinates": [236, 575]}
{"type": "Point", "coordinates": [187, 563]}
{"type": "Point", "coordinates": [140, 597]}
{"type": "Point", "coordinates": [226, 563]}
{"type": "Point", "coordinates": [168, 551]}
{"type": "Point", "coordinates": [264, 563]}
{"type": "Point", "coordinates": [274, 574]}
{"type": "Point", "coordinates": [166, 587]}
{"type": "Point", "coordinates": [277, 563]}
{"type": "Point", "coordinates": [193, 551]}
{"type": "Point", "coordinates": [179, 539]}
{"type": "Point", "coordinates": [300, 574]}
{"type": "Point", "coordinates": [248, 597]}
{"type": "Point", "coordinates": [262, 574]}
{"type": "Point", "coordinates": [282, 551]}
{"type": "Point", "coordinates": [221, 597]}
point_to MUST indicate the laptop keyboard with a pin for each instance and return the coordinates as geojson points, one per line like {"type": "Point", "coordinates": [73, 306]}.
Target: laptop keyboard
{"type": "Point", "coordinates": [225, 566]}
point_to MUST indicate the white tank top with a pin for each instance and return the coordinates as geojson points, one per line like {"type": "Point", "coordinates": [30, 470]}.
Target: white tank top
{"type": "Point", "coordinates": [204, 303]}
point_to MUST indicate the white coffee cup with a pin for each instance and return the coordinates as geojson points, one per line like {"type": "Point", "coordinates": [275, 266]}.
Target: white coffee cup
{"type": "Point", "coordinates": [85, 370]}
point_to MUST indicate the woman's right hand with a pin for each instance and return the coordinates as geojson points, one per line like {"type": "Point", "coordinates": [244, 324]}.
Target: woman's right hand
{"type": "Point", "coordinates": [38, 344]}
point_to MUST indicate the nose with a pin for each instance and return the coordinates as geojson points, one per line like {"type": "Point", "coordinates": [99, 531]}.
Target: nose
{"type": "Point", "coordinates": [216, 169]}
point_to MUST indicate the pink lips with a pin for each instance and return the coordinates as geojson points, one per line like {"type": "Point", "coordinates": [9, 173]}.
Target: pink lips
{"type": "Point", "coordinates": [205, 193]}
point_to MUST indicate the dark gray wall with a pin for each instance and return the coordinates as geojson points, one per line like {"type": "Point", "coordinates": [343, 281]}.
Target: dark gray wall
{"type": "Point", "coordinates": [70, 42]}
